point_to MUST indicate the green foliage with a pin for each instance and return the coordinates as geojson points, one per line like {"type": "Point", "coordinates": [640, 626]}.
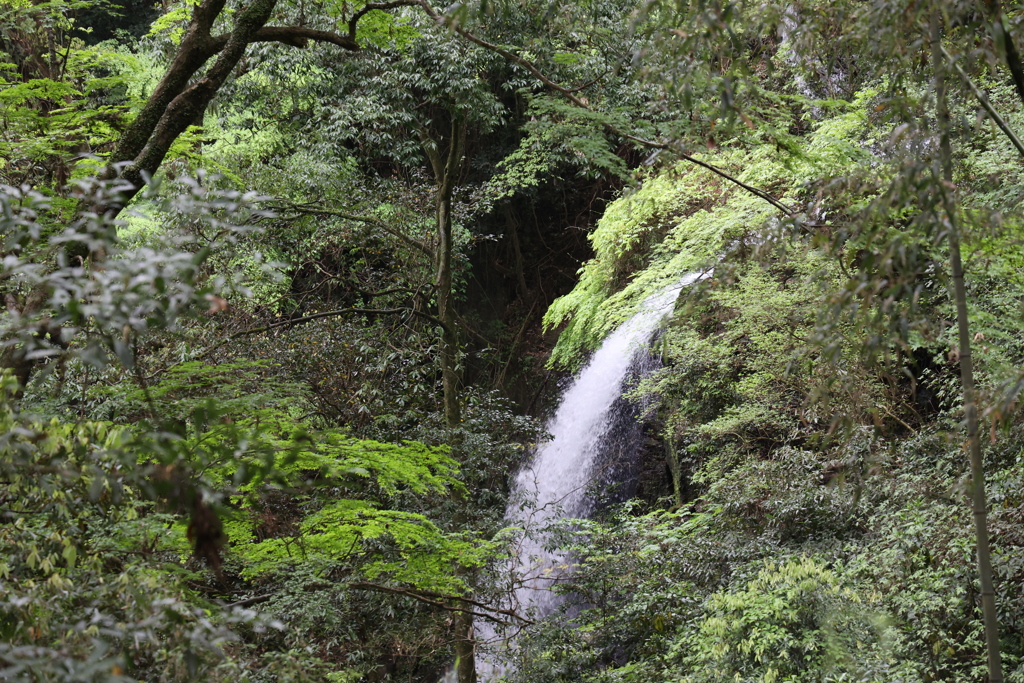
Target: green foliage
{"type": "Point", "coordinates": [792, 619]}
{"type": "Point", "coordinates": [201, 448]}
{"type": "Point", "coordinates": [140, 289]}
{"type": "Point", "coordinates": [72, 507]}
{"type": "Point", "coordinates": [558, 135]}
{"type": "Point", "coordinates": [385, 30]}
{"type": "Point", "coordinates": [809, 396]}
{"type": "Point", "coordinates": [273, 449]}
{"type": "Point", "coordinates": [681, 221]}
{"type": "Point", "coordinates": [796, 568]}
{"type": "Point", "coordinates": [207, 442]}
{"type": "Point", "coordinates": [55, 108]}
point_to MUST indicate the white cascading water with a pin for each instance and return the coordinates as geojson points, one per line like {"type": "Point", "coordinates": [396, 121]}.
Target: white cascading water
{"type": "Point", "coordinates": [554, 485]}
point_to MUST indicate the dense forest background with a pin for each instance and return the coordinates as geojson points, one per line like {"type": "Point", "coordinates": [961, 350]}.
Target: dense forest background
{"type": "Point", "coordinates": [291, 287]}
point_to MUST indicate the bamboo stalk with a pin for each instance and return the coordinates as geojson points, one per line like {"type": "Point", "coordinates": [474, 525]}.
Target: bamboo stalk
{"type": "Point", "coordinates": [988, 596]}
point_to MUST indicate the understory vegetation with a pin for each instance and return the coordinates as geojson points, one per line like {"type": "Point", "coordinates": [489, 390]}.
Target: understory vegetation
{"type": "Point", "coordinates": [291, 289]}
{"type": "Point", "coordinates": [818, 524]}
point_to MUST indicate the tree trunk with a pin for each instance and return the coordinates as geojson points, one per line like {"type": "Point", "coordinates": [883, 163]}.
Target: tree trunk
{"type": "Point", "coordinates": [513, 230]}
{"type": "Point", "coordinates": [192, 54]}
{"type": "Point", "coordinates": [184, 109]}
{"type": "Point", "coordinates": [446, 172]}
{"type": "Point", "coordinates": [465, 648]}
{"type": "Point", "coordinates": [176, 104]}
{"type": "Point", "coordinates": [445, 307]}
{"type": "Point", "coordinates": [675, 468]}
{"type": "Point", "coordinates": [988, 595]}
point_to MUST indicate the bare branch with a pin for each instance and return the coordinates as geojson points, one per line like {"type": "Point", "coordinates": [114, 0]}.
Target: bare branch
{"type": "Point", "coordinates": [296, 36]}
{"type": "Point", "coordinates": [250, 601]}
{"type": "Point", "coordinates": [435, 599]}
{"type": "Point", "coordinates": [316, 211]}
{"type": "Point", "coordinates": [316, 316]}
{"type": "Point", "coordinates": [431, 149]}
{"type": "Point", "coordinates": [472, 332]}
{"type": "Point", "coordinates": [677, 150]}
{"type": "Point", "coordinates": [328, 314]}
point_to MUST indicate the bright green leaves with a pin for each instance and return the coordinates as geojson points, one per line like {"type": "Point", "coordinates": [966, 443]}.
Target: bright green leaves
{"type": "Point", "coordinates": [558, 136]}
{"type": "Point", "coordinates": [682, 219]}
{"type": "Point", "coordinates": [67, 510]}
{"type": "Point", "coordinates": [173, 22]}
{"type": "Point", "coordinates": [76, 508]}
{"type": "Point", "coordinates": [244, 446]}
{"type": "Point", "coordinates": [399, 546]}
{"type": "Point", "coordinates": [567, 58]}
{"type": "Point", "coordinates": [410, 466]}
{"type": "Point", "coordinates": [793, 618]}
{"type": "Point", "coordinates": [360, 532]}
{"type": "Point", "coordinates": [16, 94]}
{"type": "Point", "coordinates": [57, 105]}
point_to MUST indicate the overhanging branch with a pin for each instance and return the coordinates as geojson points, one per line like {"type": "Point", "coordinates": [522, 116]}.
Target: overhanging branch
{"type": "Point", "coordinates": [337, 312]}
{"type": "Point", "coordinates": [985, 104]}
{"type": "Point", "coordinates": [569, 94]}
{"type": "Point", "coordinates": [353, 23]}
{"type": "Point", "coordinates": [316, 316]}
{"type": "Point", "coordinates": [296, 36]}
{"type": "Point", "coordinates": [313, 210]}
{"type": "Point", "coordinates": [439, 600]}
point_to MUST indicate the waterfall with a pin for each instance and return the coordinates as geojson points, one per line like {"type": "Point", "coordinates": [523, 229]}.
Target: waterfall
{"type": "Point", "coordinates": [554, 484]}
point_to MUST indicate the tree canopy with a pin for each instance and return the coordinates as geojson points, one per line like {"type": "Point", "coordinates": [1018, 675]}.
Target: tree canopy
{"type": "Point", "coordinates": [291, 286]}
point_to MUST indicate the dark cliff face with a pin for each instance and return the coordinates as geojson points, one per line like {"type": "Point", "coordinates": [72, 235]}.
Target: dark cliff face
{"type": "Point", "coordinates": [537, 246]}
{"type": "Point", "coordinates": [631, 464]}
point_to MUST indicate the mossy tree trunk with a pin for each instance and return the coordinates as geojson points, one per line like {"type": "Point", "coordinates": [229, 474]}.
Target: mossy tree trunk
{"type": "Point", "coordinates": [675, 468]}
{"type": "Point", "coordinates": [447, 173]}
{"type": "Point", "coordinates": [447, 168]}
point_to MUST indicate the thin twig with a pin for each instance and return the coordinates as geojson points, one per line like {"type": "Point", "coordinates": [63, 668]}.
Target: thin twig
{"type": "Point", "coordinates": [434, 599]}
{"type": "Point", "coordinates": [316, 316]}
{"type": "Point", "coordinates": [515, 344]}
{"type": "Point", "coordinates": [473, 333]}
{"type": "Point", "coordinates": [250, 601]}
{"type": "Point", "coordinates": [316, 211]}
{"type": "Point", "coordinates": [340, 311]}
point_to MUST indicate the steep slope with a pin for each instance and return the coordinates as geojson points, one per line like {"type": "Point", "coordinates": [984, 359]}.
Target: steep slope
{"type": "Point", "coordinates": [820, 527]}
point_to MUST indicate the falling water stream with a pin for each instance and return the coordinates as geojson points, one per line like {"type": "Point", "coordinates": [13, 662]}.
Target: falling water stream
{"type": "Point", "coordinates": [554, 485]}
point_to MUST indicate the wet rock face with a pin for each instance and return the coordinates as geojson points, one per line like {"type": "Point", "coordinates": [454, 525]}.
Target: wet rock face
{"type": "Point", "coordinates": [654, 478]}
{"type": "Point", "coordinates": [623, 462]}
